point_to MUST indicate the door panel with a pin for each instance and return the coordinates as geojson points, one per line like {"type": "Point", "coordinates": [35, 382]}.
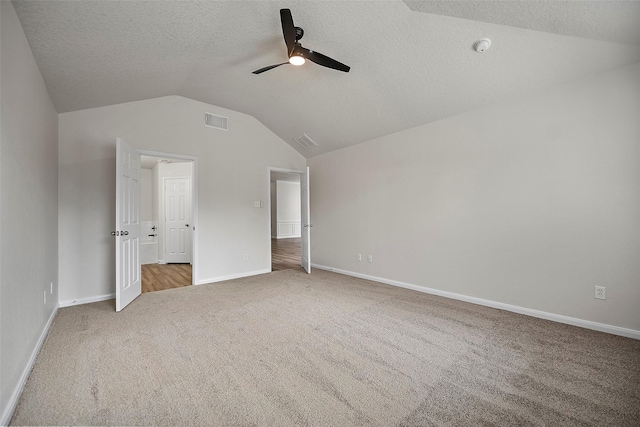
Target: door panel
{"type": "Point", "coordinates": [128, 270]}
{"type": "Point", "coordinates": [177, 199]}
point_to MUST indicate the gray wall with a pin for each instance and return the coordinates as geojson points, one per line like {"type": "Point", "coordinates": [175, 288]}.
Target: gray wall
{"type": "Point", "coordinates": [531, 202]}
{"type": "Point", "coordinates": [28, 210]}
{"type": "Point", "coordinates": [233, 173]}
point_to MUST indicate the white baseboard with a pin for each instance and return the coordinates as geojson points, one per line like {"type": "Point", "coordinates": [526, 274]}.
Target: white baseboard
{"type": "Point", "coordinates": [79, 301]}
{"type": "Point", "coordinates": [232, 276]}
{"type": "Point", "coordinates": [289, 237]}
{"type": "Point", "coordinates": [610, 329]}
{"type": "Point", "coordinates": [89, 300]}
{"type": "Point", "coordinates": [7, 411]}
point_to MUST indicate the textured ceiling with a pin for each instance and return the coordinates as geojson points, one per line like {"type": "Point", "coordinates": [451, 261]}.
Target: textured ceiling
{"type": "Point", "coordinates": [411, 62]}
{"type": "Point", "coordinates": [614, 21]}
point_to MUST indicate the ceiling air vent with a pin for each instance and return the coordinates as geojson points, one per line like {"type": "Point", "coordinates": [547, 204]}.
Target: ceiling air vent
{"type": "Point", "coordinates": [216, 122]}
{"type": "Point", "coordinates": [305, 142]}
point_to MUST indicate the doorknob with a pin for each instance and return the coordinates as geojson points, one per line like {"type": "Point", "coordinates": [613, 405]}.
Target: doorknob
{"type": "Point", "coordinates": [115, 233]}
{"type": "Point", "coordinates": [186, 225]}
{"type": "Point", "coordinates": [125, 233]}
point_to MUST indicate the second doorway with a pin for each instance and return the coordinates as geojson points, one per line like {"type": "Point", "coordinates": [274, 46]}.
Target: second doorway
{"type": "Point", "coordinates": [166, 213]}
{"type": "Point", "coordinates": [286, 221]}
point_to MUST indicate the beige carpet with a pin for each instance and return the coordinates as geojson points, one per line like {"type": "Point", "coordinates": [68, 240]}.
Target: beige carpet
{"type": "Point", "coordinates": [290, 349]}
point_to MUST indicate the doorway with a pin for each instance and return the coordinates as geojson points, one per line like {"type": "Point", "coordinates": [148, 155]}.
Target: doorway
{"type": "Point", "coordinates": [288, 212]}
{"type": "Point", "coordinates": [168, 208]}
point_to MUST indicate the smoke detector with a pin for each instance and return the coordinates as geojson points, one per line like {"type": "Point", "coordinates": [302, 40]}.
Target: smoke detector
{"type": "Point", "coordinates": [482, 45]}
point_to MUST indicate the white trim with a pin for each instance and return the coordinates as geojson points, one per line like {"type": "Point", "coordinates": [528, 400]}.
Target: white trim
{"type": "Point", "coordinates": [88, 300]}
{"type": "Point", "coordinates": [588, 324]}
{"type": "Point", "coordinates": [269, 230]}
{"type": "Point", "coordinates": [233, 276]}
{"type": "Point", "coordinates": [272, 169]}
{"type": "Point", "coordinates": [293, 226]}
{"type": "Point", "coordinates": [7, 413]}
{"type": "Point", "coordinates": [195, 264]}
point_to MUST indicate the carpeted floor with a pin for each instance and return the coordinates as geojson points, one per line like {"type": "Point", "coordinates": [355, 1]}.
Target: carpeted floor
{"type": "Point", "coordinates": [287, 348]}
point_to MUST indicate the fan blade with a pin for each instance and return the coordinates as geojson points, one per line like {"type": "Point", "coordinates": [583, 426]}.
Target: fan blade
{"type": "Point", "coordinates": [262, 70]}
{"type": "Point", "coordinates": [288, 30]}
{"type": "Point", "coordinates": [323, 60]}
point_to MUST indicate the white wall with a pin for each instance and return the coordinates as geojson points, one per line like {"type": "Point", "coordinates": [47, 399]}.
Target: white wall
{"type": "Point", "coordinates": [287, 209]}
{"type": "Point", "coordinates": [288, 194]}
{"type": "Point", "coordinates": [146, 195]}
{"type": "Point", "coordinates": [233, 172]}
{"type": "Point", "coordinates": [531, 202]}
{"type": "Point", "coordinates": [28, 209]}
{"type": "Point", "coordinates": [155, 202]}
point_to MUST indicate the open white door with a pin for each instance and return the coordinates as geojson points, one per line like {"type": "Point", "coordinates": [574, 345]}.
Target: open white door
{"type": "Point", "coordinates": [128, 280]}
{"type": "Point", "coordinates": [306, 220]}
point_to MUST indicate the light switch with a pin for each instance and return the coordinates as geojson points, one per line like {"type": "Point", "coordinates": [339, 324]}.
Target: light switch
{"type": "Point", "coordinates": [257, 204]}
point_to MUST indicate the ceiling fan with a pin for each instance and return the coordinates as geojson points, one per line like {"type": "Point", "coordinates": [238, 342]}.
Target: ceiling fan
{"type": "Point", "coordinates": [297, 53]}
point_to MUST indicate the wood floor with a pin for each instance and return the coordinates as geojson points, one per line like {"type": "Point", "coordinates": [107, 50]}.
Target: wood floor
{"type": "Point", "coordinates": [285, 254]}
{"type": "Point", "coordinates": [158, 277]}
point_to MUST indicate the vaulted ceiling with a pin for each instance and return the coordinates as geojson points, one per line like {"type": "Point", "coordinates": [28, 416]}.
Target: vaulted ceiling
{"type": "Point", "coordinates": [412, 62]}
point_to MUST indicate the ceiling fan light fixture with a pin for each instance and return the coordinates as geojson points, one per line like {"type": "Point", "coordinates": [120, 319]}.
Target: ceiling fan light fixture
{"type": "Point", "coordinates": [298, 54]}
{"type": "Point", "coordinates": [296, 60]}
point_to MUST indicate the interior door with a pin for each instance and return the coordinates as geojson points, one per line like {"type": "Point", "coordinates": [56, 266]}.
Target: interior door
{"type": "Point", "coordinates": [128, 280]}
{"type": "Point", "coordinates": [177, 201]}
{"type": "Point", "coordinates": [306, 220]}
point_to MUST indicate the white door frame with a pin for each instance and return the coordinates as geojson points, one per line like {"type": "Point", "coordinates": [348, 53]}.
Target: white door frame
{"type": "Point", "coordinates": [269, 170]}
{"type": "Point", "coordinates": [305, 214]}
{"type": "Point", "coordinates": [194, 204]}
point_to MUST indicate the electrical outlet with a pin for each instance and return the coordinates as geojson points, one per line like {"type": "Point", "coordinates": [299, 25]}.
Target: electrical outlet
{"type": "Point", "coordinates": [246, 257]}
{"type": "Point", "coordinates": [370, 258]}
{"type": "Point", "coordinates": [601, 292]}
{"type": "Point", "coordinates": [359, 257]}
